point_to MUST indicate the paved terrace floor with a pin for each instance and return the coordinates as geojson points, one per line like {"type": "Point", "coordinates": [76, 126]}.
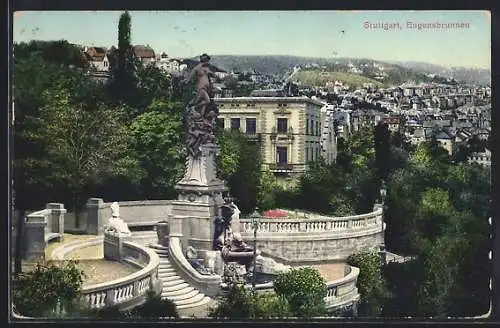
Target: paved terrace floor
{"type": "Point", "coordinates": [90, 261]}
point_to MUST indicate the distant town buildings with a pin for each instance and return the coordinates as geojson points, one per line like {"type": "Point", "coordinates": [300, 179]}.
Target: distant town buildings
{"type": "Point", "coordinates": [295, 130]}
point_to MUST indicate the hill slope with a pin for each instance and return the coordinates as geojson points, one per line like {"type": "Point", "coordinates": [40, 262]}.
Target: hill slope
{"type": "Point", "coordinates": [399, 72]}
{"type": "Point", "coordinates": [318, 78]}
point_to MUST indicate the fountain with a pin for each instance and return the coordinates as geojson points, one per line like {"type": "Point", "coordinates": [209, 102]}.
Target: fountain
{"type": "Point", "coordinates": [200, 192]}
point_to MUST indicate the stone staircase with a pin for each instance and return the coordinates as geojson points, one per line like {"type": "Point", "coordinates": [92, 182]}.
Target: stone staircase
{"type": "Point", "coordinates": [185, 297]}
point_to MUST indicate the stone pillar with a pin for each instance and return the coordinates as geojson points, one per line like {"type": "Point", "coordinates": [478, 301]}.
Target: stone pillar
{"type": "Point", "coordinates": [113, 246]}
{"type": "Point", "coordinates": [57, 212]}
{"type": "Point", "coordinates": [162, 230]}
{"type": "Point", "coordinates": [34, 237]}
{"type": "Point", "coordinates": [94, 216]}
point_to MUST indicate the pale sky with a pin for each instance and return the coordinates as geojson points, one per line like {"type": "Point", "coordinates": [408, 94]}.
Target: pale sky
{"type": "Point", "coordinates": [297, 33]}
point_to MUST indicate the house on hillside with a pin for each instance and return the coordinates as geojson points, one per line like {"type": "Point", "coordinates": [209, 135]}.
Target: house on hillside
{"type": "Point", "coordinates": [145, 54]}
{"type": "Point", "coordinates": [97, 58]}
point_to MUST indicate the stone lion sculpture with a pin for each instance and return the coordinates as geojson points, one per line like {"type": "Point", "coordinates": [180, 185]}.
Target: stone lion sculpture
{"type": "Point", "coordinates": [115, 224]}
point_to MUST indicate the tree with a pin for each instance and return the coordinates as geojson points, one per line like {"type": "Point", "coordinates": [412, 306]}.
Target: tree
{"type": "Point", "coordinates": [439, 263]}
{"type": "Point", "coordinates": [304, 289]}
{"type": "Point", "coordinates": [84, 144]}
{"type": "Point", "coordinates": [268, 185]}
{"type": "Point", "coordinates": [124, 85]}
{"type": "Point", "coordinates": [400, 216]}
{"type": "Point", "coordinates": [382, 150]}
{"type": "Point", "coordinates": [240, 165]}
{"type": "Point", "coordinates": [158, 144]}
{"type": "Point", "coordinates": [371, 284]}
{"type": "Point", "coordinates": [434, 213]}
{"type": "Point", "coordinates": [47, 289]}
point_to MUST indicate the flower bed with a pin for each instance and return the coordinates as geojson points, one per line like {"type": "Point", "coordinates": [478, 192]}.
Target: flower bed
{"type": "Point", "coordinates": [275, 214]}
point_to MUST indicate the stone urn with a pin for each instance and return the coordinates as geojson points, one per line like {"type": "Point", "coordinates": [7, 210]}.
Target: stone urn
{"type": "Point", "coordinates": [163, 231]}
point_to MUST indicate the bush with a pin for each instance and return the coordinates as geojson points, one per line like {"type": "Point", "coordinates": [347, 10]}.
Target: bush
{"type": "Point", "coordinates": [234, 305]}
{"type": "Point", "coordinates": [240, 303]}
{"type": "Point", "coordinates": [155, 308]}
{"type": "Point", "coordinates": [48, 289]}
{"type": "Point", "coordinates": [371, 285]}
{"type": "Point", "coordinates": [304, 289]}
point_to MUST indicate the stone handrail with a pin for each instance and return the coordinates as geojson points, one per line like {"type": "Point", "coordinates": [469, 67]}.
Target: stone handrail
{"type": "Point", "coordinates": [128, 291]}
{"type": "Point", "coordinates": [207, 284]}
{"type": "Point", "coordinates": [343, 291]}
{"type": "Point", "coordinates": [314, 223]}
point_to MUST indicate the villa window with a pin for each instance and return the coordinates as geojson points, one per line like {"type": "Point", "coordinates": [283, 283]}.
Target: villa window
{"type": "Point", "coordinates": [235, 123]}
{"type": "Point", "coordinates": [251, 125]}
{"type": "Point", "coordinates": [220, 123]}
{"type": "Point", "coordinates": [282, 125]}
{"type": "Point", "coordinates": [281, 155]}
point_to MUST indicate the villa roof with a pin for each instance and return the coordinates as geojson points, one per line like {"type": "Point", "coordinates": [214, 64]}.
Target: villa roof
{"type": "Point", "coordinates": [143, 52]}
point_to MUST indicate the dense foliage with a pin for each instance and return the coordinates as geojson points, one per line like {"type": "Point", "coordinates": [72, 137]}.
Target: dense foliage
{"type": "Point", "coordinates": [241, 303]}
{"type": "Point", "coordinates": [437, 211]}
{"type": "Point", "coordinates": [371, 284]}
{"type": "Point", "coordinates": [47, 289]}
{"type": "Point", "coordinates": [304, 289]}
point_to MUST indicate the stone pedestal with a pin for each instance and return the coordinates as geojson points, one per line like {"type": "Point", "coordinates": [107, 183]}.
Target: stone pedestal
{"type": "Point", "coordinates": [199, 200]}
{"type": "Point", "coordinates": [113, 245]}
{"type": "Point", "coordinates": [34, 237]}
{"type": "Point", "coordinates": [162, 231]}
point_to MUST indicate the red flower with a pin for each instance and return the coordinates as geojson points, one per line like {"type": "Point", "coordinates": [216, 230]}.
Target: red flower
{"type": "Point", "coordinates": [273, 214]}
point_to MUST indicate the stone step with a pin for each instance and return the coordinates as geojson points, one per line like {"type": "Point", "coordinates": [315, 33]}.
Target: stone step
{"type": "Point", "coordinates": [167, 273]}
{"type": "Point", "coordinates": [174, 287]}
{"type": "Point", "coordinates": [161, 252]}
{"type": "Point", "coordinates": [157, 246]}
{"type": "Point", "coordinates": [203, 301]}
{"type": "Point", "coordinates": [164, 269]}
{"type": "Point", "coordinates": [169, 277]}
{"type": "Point", "coordinates": [169, 294]}
{"type": "Point", "coordinates": [167, 284]}
{"type": "Point", "coordinates": [188, 302]}
{"type": "Point", "coordinates": [184, 296]}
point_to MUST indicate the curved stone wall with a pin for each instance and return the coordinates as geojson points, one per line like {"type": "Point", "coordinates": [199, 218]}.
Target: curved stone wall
{"type": "Point", "coordinates": [316, 238]}
{"type": "Point", "coordinates": [125, 292]}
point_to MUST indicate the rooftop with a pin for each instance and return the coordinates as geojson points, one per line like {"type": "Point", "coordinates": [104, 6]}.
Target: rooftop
{"type": "Point", "coordinates": [270, 99]}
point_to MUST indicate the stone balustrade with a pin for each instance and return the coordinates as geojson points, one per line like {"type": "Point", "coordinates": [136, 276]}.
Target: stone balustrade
{"type": "Point", "coordinates": [310, 237]}
{"type": "Point", "coordinates": [343, 292]}
{"type": "Point", "coordinates": [128, 291]}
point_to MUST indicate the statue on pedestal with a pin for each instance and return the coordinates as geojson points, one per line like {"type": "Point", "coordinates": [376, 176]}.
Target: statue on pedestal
{"type": "Point", "coordinates": [201, 111]}
{"type": "Point", "coordinates": [115, 223]}
{"type": "Point", "coordinates": [237, 255]}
